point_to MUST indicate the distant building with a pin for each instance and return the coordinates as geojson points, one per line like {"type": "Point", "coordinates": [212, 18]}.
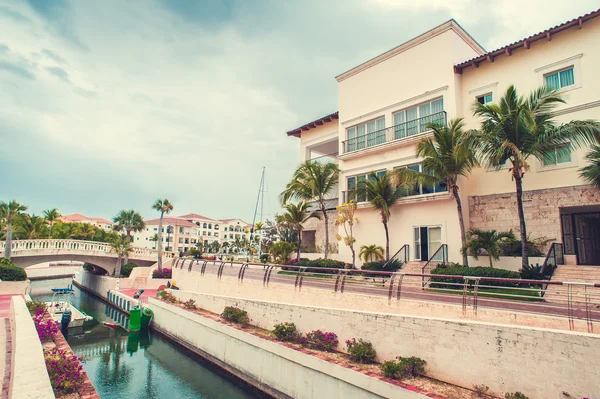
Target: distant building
{"type": "Point", "coordinates": [79, 218]}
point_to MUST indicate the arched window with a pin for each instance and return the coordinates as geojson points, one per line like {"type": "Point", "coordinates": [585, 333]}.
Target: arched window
{"type": "Point", "coordinates": [210, 226]}
{"type": "Point", "coordinates": [204, 225]}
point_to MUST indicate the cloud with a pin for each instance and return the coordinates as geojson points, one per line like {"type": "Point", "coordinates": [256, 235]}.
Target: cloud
{"type": "Point", "coordinates": [59, 73]}
{"type": "Point", "coordinates": [16, 70]}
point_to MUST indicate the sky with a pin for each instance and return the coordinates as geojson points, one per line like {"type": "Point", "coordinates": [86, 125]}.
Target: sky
{"type": "Point", "coordinates": [108, 105]}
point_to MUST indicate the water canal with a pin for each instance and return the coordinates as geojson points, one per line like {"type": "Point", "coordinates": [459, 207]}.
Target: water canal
{"type": "Point", "coordinates": [138, 365]}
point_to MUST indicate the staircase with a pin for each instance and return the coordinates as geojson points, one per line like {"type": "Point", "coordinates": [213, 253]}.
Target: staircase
{"type": "Point", "coordinates": [571, 273]}
{"type": "Point", "coordinates": [413, 267]}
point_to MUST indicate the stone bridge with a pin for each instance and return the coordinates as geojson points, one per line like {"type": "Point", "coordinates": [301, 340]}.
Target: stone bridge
{"type": "Point", "coordinates": [25, 253]}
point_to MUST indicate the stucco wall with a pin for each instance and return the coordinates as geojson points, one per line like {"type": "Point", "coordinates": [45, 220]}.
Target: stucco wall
{"type": "Point", "coordinates": [14, 287]}
{"type": "Point", "coordinates": [29, 378]}
{"type": "Point", "coordinates": [319, 227]}
{"type": "Point", "coordinates": [541, 363]}
{"type": "Point", "coordinates": [267, 364]}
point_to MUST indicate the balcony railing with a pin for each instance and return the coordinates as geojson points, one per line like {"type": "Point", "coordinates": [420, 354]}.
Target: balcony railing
{"type": "Point", "coordinates": [393, 133]}
{"type": "Point", "coordinates": [330, 203]}
{"type": "Point", "coordinates": [325, 159]}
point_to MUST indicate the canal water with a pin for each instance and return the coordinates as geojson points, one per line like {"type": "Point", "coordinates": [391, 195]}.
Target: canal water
{"type": "Point", "coordinates": [137, 365]}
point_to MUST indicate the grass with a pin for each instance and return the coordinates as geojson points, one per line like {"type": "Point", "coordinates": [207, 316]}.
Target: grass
{"type": "Point", "coordinates": [306, 274]}
{"type": "Point", "coordinates": [532, 295]}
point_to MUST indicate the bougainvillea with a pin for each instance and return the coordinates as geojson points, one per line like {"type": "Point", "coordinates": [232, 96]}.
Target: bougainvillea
{"type": "Point", "coordinates": [324, 341]}
{"type": "Point", "coordinates": [46, 329]}
{"type": "Point", "coordinates": [66, 373]}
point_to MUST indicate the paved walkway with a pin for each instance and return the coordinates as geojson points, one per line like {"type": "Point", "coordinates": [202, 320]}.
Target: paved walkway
{"type": "Point", "coordinates": [144, 298]}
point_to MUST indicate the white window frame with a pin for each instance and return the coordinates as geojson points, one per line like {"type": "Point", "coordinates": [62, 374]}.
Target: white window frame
{"type": "Point", "coordinates": [429, 226]}
{"type": "Point", "coordinates": [564, 165]}
{"type": "Point", "coordinates": [490, 88]}
{"type": "Point", "coordinates": [365, 135]}
{"type": "Point", "coordinates": [484, 96]}
{"type": "Point", "coordinates": [416, 106]}
{"type": "Point", "coordinates": [420, 193]}
{"type": "Point", "coordinates": [571, 62]}
{"type": "Point", "coordinates": [356, 176]}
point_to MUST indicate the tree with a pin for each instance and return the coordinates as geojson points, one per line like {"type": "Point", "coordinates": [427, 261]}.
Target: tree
{"type": "Point", "coordinates": [30, 226]}
{"type": "Point", "coordinates": [447, 156]}
{"type": "Point", "coordinates": [368, 252]}
{"type": "Point", "coordinates": [129, 220]}
{"type": "Point", "coordinates": [164, 206]}
{"type": "Point", "coordinates": [154, 238]}
{"type": "Point", "coordinates": [9, 211]}
{"type": "Point", "coordinates": [591, 172]}
{"type": "Point", "coordinates": [347, 220]}
{"type": "Point", "coordinates": [51, 216]}
{"type": "Point", "coordinates": [487, 240]}
{"type": "Point", "coordinates": [296, 215]}
{"type": "Point", "coordinates": [313, 181]}
{"type": "Point", "coordinates": [519, 128]}
{"type": "Point", "coordinates": [215, 246]}
{"type": "Point", "coordinates": [381, 191]}
{"type": "Point", "coordinates": [122, 247]}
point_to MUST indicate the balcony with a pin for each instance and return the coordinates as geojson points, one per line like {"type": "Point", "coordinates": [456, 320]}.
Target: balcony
{"type": "Point", "coordinates": [326, 159]}
{"type": "Point", "coordinates": [420, 194]}
{"type": "Point", "coordinates": [394, 133]}
{"type": "Point", "coordinates": [330, 204]}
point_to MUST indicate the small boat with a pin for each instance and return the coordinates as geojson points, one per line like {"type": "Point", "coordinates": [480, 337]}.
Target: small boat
{"type": "Point", "coordinates": [61, 305]}
{"type": "Point", "coordinates": [110, 325]}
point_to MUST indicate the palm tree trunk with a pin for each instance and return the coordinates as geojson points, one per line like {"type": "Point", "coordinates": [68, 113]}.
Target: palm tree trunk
{"type": "Point", "coordinates": [299, 242]}
{"type": "Point", "coordinates": [461, 223]}
{"type": "Point", "coordinates": [160, 223]}
{"type": "Point", "coordinates": [353, 256]}
{"type": "Point", "coordinates": [8, 248]}
{"type": "Point", "coordinates": [326, 217]}
{"type": "Point", "coordinates": [129, 239]}
{"type": "Point", "coordinates": [524, 258]}
{"type": "Point", "coordinates": [118, 268]}
{"type": "Point", "coordinates": [491, 262]}
{"type": "Point", "coordinates": [387, 241]}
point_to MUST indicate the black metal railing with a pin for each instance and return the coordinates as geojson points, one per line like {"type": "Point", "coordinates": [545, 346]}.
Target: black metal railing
{"type": "Point", "coordinates": [439, 257]}
{"type": "Point", "coordinates": [325, 159]}
{"type": "Point", "coordinates": [402, 255]}
{"type": "Point", "coordinates": [393, 133]}
{"type": "Point", "coordinates": [554, 257]}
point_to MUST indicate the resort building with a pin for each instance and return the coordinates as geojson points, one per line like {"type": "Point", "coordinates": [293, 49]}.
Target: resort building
{"type": "Point", "coordinates": [182, 233]}
{"type": "Point", "coordinates": [386, 103]}
{"type": "Point", "coordinates": [79, 218]}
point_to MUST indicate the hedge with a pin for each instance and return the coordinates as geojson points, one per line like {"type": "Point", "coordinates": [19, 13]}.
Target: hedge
{"type": "Point", "coordinates": [9, 272]}
{"type": "Point", "coordinates": [127, 268]}
{"type": "Point", "coordinates": [459, 270]}
{"type": "Point", "coordinates": [321, 263]}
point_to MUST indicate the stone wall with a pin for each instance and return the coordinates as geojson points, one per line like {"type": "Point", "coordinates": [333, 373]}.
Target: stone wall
{"type": "Point", "coordinates": [542, 210]}
{"type": "Point", "coordinates": [319, 227]}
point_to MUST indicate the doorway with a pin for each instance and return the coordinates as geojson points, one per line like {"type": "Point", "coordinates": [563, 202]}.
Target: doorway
{"type": "Point", "coordinates": [427, 240]}
{"type": "Point", "coordinates": [581, 236]}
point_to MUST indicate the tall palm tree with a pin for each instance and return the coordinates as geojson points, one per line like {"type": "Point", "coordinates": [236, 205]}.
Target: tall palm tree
{"type": "Point", "coordinates": [30, 226]}
{"type": "Point", "coordinates": [447, 156]}
{"type": "Point", "coordinates": [122, 247]}
{"type": "Point", "coordinates": [154, 238]}
{"type": "Point", "coordinates": [368, 252]}
{"type": "Point", "coordinates": [518, 128]}
{"type": "Point", "coordinates": [164, 206]}
{"type": "Point", "coordinates": [313, 181]}
{"type": "Point", "coordinates": [383, 191]}
{"type": "Point", "coordinates": [296, 215]}
{"type": "Point", "coordinates": [130, 221]}
{"type": "Point", "coordinates": [9, 211]}
{"type": "Point", "coordinates": [51, 216]}
{"type": "Point", "coordinates": [487, 240]}
{"type": "Point", "coordinates": [591, 172]}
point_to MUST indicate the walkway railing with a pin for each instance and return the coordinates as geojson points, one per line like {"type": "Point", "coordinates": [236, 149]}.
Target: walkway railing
{"type": "Point", "coordinates": [572, 300]}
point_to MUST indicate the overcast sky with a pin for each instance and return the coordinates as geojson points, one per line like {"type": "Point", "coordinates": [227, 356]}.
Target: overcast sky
{"type": "Point", "coordinates": [106, 105]}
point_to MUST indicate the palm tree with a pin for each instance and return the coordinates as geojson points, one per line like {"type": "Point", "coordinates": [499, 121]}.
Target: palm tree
{"type": "Point", "coordinates": [31, 226]}
{"type": "Point", "coordinates": [447, 156]}
{"type": "Point", "coordinates": [591, 172]}
{"type": "Point", "coordinates": [122, 247]}
{"type": "Point", "coordinates": [368, 252]}
{"type": "Point", "coordinates": [487, 240]}
{"type": "Point", "coordinates": [519, 128]}
{"type": "Point", "coordinates": [296, 215]}
{"type": "Point", "coordinates": [225, 246]}
{"type": "Point", "coordinates": [51, 216]}
{"type": "Point", "coordinates": [154, 238]}
{"type": "Point", "coordinates": [129, 220]}
{"type": "Point", "coordinates": [313, 181]}
{"type": "Point", "coordinates": [163, 206]}
{"type": "Point", "coordinates": [381, 191]}
{"type": "Point", "coordinates": [9, 211]}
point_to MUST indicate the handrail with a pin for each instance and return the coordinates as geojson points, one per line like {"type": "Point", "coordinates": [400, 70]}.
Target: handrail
{"type": "Point", "coordinates": [393, 133]}
{"type": "Point", "coordinates": [444, 249]}
{"type": "Point", "coordinates": [552, 260]}
{"type": "Point", "coordinates": [405, 255]}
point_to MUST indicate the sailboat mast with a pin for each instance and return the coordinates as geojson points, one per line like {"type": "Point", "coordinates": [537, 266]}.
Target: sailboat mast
{"type": "Point", "coordinates": [260, 190]}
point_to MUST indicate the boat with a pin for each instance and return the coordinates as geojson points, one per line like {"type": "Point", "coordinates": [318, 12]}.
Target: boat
{"type": "Point", "coordinates": [61, 306]}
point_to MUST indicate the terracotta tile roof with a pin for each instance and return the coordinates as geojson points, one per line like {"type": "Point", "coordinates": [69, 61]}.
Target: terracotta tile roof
{"type": "Point", "coordinates": [171, 221]}
{"type": "Point", "coordinates": [310, 125]}
{"type": "Point", "coordinates": [75, 217]}
{"type": "Point", "coordinates": [102, 220]}
{"type": "Point", "coordinates": [195, 216]}
{"type": "Point", "coordinates": [229, 220]}
{"type": "Point", "coordinates": [526, 42]}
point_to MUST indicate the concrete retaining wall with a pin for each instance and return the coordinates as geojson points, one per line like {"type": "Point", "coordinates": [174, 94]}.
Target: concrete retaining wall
{"type": "Point", "coordinates": [277, 369]}
{"type": "Point", "coordinates": [541, 363]}
{"type": "Point", "coordinates": [14, 287]}
{"type": "Point", "coordinates": [505, 262]}
{"type": "Point", "coordinates": [29, 378]}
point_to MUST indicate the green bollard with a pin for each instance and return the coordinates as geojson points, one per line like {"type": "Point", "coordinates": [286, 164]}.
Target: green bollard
{"type": "Point", "coordinates": [135, 319]}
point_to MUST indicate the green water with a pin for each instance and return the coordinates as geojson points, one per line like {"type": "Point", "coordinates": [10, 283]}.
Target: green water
{"type": "Point", "coordinates": [137, 365]}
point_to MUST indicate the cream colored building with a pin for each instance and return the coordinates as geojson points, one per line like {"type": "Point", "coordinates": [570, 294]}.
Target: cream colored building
{"type": "Point", "coordinates": [386, 103]}
{"type": "Point", "coordinates": [79, 218]}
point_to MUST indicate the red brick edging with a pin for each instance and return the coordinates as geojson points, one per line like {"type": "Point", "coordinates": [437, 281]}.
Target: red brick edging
{"type": "Point", "coordinates": [8, 361]}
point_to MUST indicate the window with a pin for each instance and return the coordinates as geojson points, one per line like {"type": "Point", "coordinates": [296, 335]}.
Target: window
{"type": "Point", "coordinates": [560, 79]}
{"type": "Point", "coordinates": [204, 225]}
{"type": "Point", "coordinates": [419, 189]}
{"type": "Point", "coordinates": [355, 182]}
{"type": "Point", "coordinates": [484, 99]}
{"type": "Point", "coordinates": [558, 155]}
{"type": "Point", "coordinates": [414, 120]}
{"type": "Point", "coordinates": [365, 135]}
{"type": "Point", "coordinates": [210, 226]}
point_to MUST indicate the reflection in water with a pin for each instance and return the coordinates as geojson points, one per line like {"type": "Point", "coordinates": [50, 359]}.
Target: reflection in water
{"type": "Point", "coordinates": [136, 365]}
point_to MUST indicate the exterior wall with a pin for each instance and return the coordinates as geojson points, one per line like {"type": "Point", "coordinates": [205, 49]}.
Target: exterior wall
{"type": "Point", "coordinates": [542, 210]}
{"type": "Point", "coordinates": [279, 370]}
{"type": "Point", "coordinates": [28, 375]}
{"type": "Point", "coordinates": [319, 227]}
{"type": "Point", "coordinates": [506, 358]}
{"type": "Point", "coordinates": [14, 287]}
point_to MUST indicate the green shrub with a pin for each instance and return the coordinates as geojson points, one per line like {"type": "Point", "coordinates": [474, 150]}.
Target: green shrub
{"type": "Point", "coordinates": [481, 390]}
{"type": "Point", "coordinates": [286, 332]}
{"type": "Point", "coordinates": [235, 315]}
{"type": "Point", "coordinates": [535, 247]}
{"type": "Point", "coordinates": [127, 268]}
{"type": "Point", "coordinates": [403, 367]}
{"type": "Point", "coordinates": [515, 395]}
{"type": "Point", "coordinates": [361, 351]}
{"type": "Point", "coordinates": [532, 272]}
{"type": "Point", "coordinates": [393, 266]}
{"type": "Point", "coordinates": [36, 305]}
{"type": "Point", "coordinates": [323, 341]}
{"type": "Point", "coordinates": [167, 296]}
{"type": "Point", "coordinates": [264, 258]}
{"type": "Point", "coordinates": [9, 272]}
{"type": "Point", "coordinates": [459, 270]}
{"type": "Point", "coordinates": [190, 304]}
{"type": "Point", "coordinates": [281, 251]}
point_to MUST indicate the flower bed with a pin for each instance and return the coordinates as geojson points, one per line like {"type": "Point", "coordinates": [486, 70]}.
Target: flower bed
{"type": "Point", "coordinates": [162, 273]}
